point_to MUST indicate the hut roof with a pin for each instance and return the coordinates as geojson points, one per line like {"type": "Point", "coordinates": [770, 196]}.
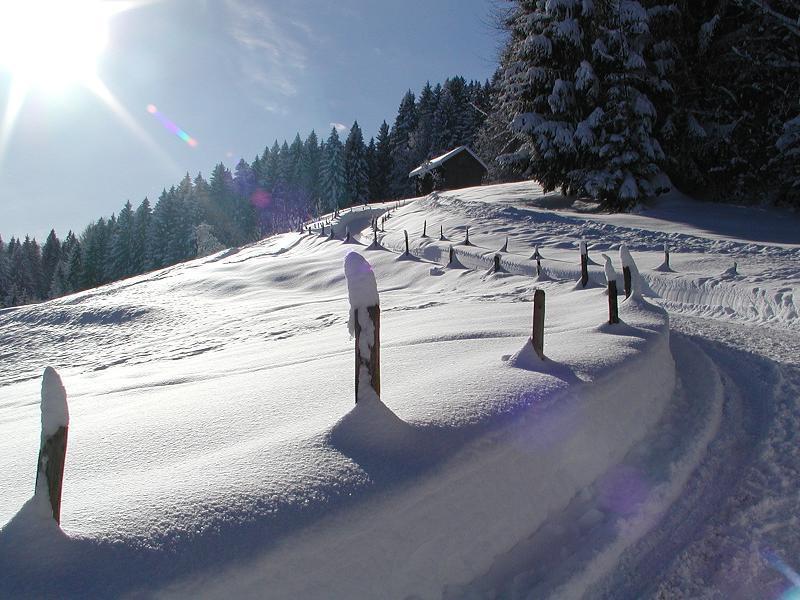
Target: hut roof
{"type": "Point", "coordinates": [434, 163]}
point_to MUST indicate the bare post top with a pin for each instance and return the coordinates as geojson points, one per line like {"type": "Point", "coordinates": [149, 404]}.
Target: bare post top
{"type": "Point", "coordinates": [55, 413]}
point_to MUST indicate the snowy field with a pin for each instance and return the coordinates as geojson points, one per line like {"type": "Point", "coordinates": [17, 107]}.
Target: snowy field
{"type": "Point", "coordinates": [215, 449]}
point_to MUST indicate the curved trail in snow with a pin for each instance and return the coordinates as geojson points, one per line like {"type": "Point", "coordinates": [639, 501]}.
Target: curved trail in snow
{"type": "Point", "coordinates": [739, 509]}
{"type": "Point", "coordinates": [700, 506]}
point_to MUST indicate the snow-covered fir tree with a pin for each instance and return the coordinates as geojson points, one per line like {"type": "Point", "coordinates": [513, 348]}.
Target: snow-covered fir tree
{"type": "Point", "coordinates": [619, 158]}
{"type": "Point", "coordinates": [355, 167]}
{"type": "Point", "coordinates": [382, 166]}
{"type": "Point", "coordinates": [402, 150]}
{"type": "Point", "coordinates": [333, 174]}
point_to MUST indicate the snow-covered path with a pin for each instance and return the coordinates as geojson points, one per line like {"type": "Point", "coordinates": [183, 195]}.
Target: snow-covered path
{"type": "Point", "coordinates": [209, 456]}
{"type": "Point", "coordinates": [737, 518]}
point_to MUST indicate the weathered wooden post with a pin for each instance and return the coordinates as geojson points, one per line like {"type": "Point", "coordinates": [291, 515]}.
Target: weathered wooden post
{"type": "Point", "coordinates": [382, 222]}
{"type": "Point", "coordinates": [504, 248]}
{"type": "Point", "coordinates": [425, 228]}
{"type": "Point", "coordinates": [584, 265]}
{"type": "Point", "coordinates": [538, 267]}
{"type": "Point", "coordinates": [536, 255]}
{"type": "Point", "coordinates": [630, 274]}
{"type": "Point", "coordinates": [666, 257]}
{"type": "Point", "coordinates": [497, 267]}
{"type": "Point", "coordinates": [406, 253]}
{"type": "Point", "coordinates": [611, 278]}
{"type": "Point", "coordinates": [450, 258]}
{"type": "Point", "coordinates": [626, 280]}
{"type": "Point", "coordinates": [364, 324]}
{"type": "Point", "coordinates": [441, 233]}
{"type": "Point", "coordinates": [466, 239]}
{"type": "Point", "coordinates": [53, 445]}
{"type": "Point", "coordinates": [537, 337]}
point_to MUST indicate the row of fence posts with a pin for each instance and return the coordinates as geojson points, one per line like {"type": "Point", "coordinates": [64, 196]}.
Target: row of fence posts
{"type": "Point", "coordinates": [53, 445]}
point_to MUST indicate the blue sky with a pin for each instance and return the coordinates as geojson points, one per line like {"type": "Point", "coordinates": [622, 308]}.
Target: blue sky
{"type": "Point", "coordinates": [235, 75]}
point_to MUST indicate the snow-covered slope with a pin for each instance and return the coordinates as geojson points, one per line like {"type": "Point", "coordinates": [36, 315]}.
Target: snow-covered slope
{"type": "Point", "coordinates": [215, 449]}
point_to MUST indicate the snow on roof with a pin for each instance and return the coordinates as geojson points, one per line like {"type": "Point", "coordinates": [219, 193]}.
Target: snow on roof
{"type": "Point", "coordinates": [430, 165]}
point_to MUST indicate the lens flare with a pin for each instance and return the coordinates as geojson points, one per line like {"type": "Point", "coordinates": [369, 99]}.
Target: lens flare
{"type": "Point", "coordinates": [170, 126]}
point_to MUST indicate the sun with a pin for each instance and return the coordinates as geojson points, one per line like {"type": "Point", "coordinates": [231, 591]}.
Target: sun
{"type": "Point", "coordinates": [53, 43]}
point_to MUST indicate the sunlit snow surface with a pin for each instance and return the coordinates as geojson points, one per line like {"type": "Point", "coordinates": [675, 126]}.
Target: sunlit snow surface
{"type": "Point", "coordinates": [208, 450]}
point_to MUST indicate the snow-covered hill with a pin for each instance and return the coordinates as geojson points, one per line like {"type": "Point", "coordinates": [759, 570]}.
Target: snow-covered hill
{"type": "Point", "coordinates": [215, 449]}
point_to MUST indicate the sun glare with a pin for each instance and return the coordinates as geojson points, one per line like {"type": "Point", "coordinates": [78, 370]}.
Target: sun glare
{"type": "Point", "coordinates": [52, 43]}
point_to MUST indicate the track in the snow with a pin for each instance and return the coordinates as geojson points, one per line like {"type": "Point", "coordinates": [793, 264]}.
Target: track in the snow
{"type": "Point", "coordinates": [740, 503]}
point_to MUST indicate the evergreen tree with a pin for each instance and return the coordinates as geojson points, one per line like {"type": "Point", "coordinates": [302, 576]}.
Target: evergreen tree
{"type": "Point", "coordinates": [424, 133]}
{"type": "Point", "coordinates": [94, 242]}
{"type": "Point", "coordinates": [18, 280]}
{"type": "Point", "coordinates": [122, 245]}
{"type": "Point", "coordinates": [333, 173]}
{"type": "Point", "coordinates": [619, 156]}
{"type": "Point", "coordinates": [787, 162]}
{"type": "Point", "coordinates": [139, 239]}
{"type": "Point", "coordinates": [4, 273]}
{"type": "Point", "coordinates": [32, 270]}
{"type": "Point", "coordinates": [402, 151]}
{"type": "Point", "coordinates": [310, 178]}
{"type": "Point", "coordinates": [355, 166]}
{"type": "Point", "coordinates": [221, 200]}
{"type": "Point", "coordinates": [51, 256]}
{"type": "Point", "coordinates": [75, 274]}
{"type": "Point", "coordinates": [379, 177]}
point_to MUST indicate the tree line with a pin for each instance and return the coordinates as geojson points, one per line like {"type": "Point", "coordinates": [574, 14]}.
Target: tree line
{"type": "Point", "coordinates": [601, 98]}
{"type": "Point", "coordinates": [281, 187]}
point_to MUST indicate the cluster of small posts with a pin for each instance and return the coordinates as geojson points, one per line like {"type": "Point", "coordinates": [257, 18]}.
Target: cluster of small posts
{"type": "Point", "coordinates": [537, 333]}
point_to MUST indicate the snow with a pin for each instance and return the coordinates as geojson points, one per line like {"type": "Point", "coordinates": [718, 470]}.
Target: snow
{"type": "Point", "coordinates": [55, 413]}
{"type": "Point", "coordinates": [611, 274]}
{"type": "Point", "coordinates": [215, 449]}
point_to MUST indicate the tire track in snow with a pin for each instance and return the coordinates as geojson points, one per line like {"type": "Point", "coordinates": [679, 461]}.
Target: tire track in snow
{"type": "Point", "coordinates": [742, 500]}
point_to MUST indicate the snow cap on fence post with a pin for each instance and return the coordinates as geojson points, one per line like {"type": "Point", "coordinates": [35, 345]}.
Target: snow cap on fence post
{"type": "Point", "coordinates": [364, 324]}
{"type": "Point", "coordinates": [633, 284]}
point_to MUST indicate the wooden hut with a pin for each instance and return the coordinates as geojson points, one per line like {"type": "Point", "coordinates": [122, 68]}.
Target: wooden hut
{"type": "Point", "coordinates": [458, 168]}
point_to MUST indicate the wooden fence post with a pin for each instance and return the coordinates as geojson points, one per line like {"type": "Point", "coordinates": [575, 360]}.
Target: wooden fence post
{"type": "Point", "coordinates": [613, 308]}
{"type": "Point", "coordinates": [537, 337]}
{"type": "Point", "coordinates": [365, 323]}
{"type": "Point", "coordinates": [497, 267]}
{"type": "Point", "coordinates": [407, 253]}
{"type": "Point", "coordinates": [666, 256]}
{"type": "Point", "coordinates": [425, 229]}
{"type": "Point", "coordinates": [53, 445]}
{"type": "Point", "coordinates": [450, 261]}
{"type": "Point", "coordinates": [466, 239]}
{"type": "Point", "coordinates": [626, 278]}
{"type": "Point", "coordinates": [538, 267]}
{"type": "Point", "coordinates": [373, 364]}
{"type": "Point", "coordinates": [584, 265]}
{"type": "Point", "coordinates": [441, 233]}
